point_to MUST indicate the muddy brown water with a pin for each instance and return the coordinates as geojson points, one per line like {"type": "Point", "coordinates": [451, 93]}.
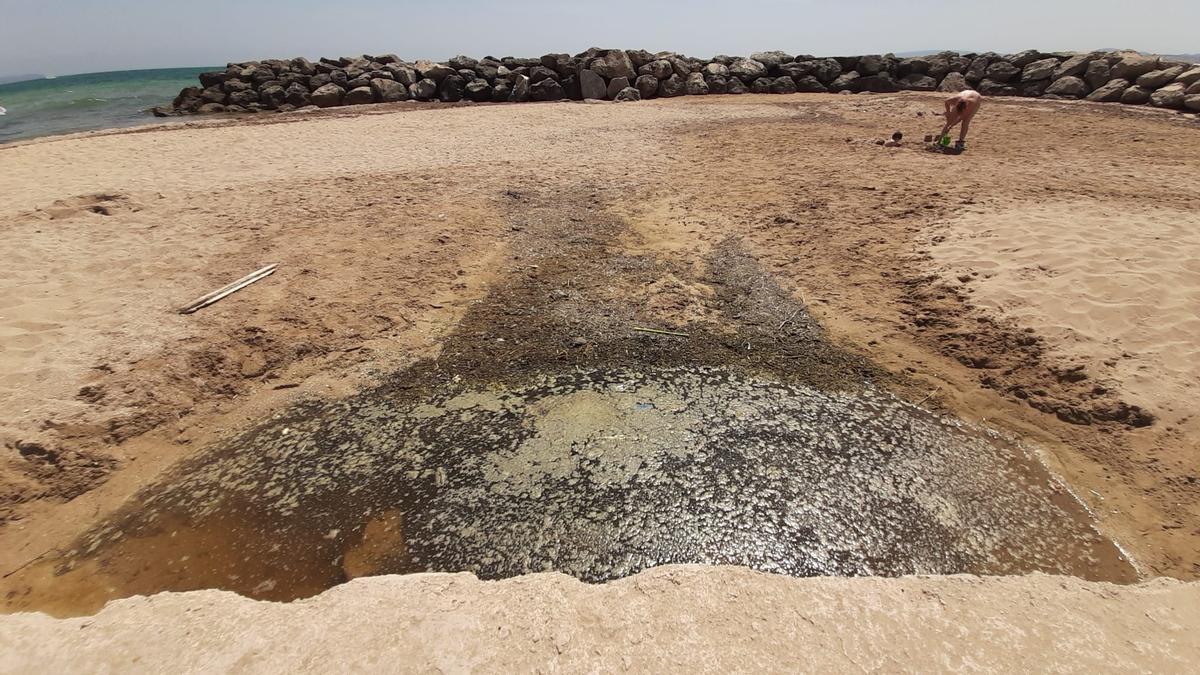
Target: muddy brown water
{"type": "Point", "coordinates": [550, 436]}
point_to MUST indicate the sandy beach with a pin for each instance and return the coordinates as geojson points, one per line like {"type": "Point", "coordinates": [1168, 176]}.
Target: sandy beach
{"type": "Point", "coordinates": [1044, 284]}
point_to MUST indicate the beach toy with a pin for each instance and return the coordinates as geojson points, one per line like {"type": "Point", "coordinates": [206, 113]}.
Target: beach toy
{"type": "Point", "coordinates": [944, 141]}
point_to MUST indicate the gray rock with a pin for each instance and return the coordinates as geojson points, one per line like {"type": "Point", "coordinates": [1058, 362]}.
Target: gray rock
{"type": "Point", "coordinates": [317, 81]}
{"type": "Point", "coordinates": [328, 96]}
{"type": "Point", "coordinates": [1135, 96]}
{"type": "Point", "coordinates": [213, 94]}
{"type": "Point", "coordinates": [881, 84]}
{"type": "Point", "coordinates": [639, 57]}
{"type": "Point", "coordinates": [672, 86]}
{"type": "Point", "coordinates": [1157, 78]}
{"type": "Point", "coordinates": [917, 65]}
{"type": "Point", "coordinates": [681, 67]}
{"type": "Point", "coordinates": [613, 63]}
{"type": "Point", "coordinates": [695, 85]}
{"type": "Point", "coordinates": [716, 70]}
{"type": "Point", "coordinates": [539, 73]}
{"type": "Point", "coordinates": [1001, 71]}
{"type": "Point", "coordinates": [1194, 88]}
{"type": "Point", "coordinates": [501, 91]}
{"type": "Point", "coordinates": [478, 90]}
{"type": "Point", "coordinates": [1192, 102]}
{"type": "Point", "coordinates": [872, 64]}
{"type": "Point", "coordinates": [747, 70]}
{"type": "Point", "coordinates": [1171, 96]}
{"type": "Point", "coordinates": [761, 86]}
{"type": "Point", "coordinates": [1133, 66]}
{"type": "Point", "coordinates": [1022, 59]}
{"type": "Point", "coordinates": [717, 85]}
{"type": "Point", "coordinates": [1033, 89]}
{"type": "Point", "coordinates": [735, 86]}
{"type": "Point", "coordinates": [1075, 66]}
{"type": "Point", "coordinates": [359, 96]}
{"type": "Point", "coordinates": [591, 85]}
{"type": "Point", "coordinates": [434, 71]}
{"type": "Point", "coordinates": [825, 70]}
{"type": "Point", "coordinates": [1110, 92]}
{"type": "Point", "coordinates": [1068, 87]}
{"type": "Point", "coordinates": [615, 86]}
{"type": "Point", "coordinates": [423, 90]}
{"type": "Point", "coordinates": [783, 85]}
{"type": "Point", "coordinates": [918, 82]}
{"type": "Point", "coordinates": [213, 79]}
{"type": "Point", "coordinates": [230, 86]}
{"type": "Point", "coordinates": [520, 88]}
{"type": "Point", "coordinates": [451, 88]}
{"type": "Point", "coordinates": [978, 69]}
{"type": "Point", "coordinates": [1039, 70]}
{"type": "Point", "coordinates": [772, 59]}
{"type": "Point", "coordinates": [297, 95]}
{"type": "Point", "coordinates": [571, 90]}
{"type": "Point", "coordinates": [809, 84]}
{"type": "Point", "coordinates": [939, 67]}
{"type": "Point", "coordinates": [209, 108]}
{"type": "Point", "coordinates": [1189, 77]}
{"type": "Point", "coordinates": [559, 63]}
{"type": "Point", "coordinates": [647, 85]}
{"type": "Point", "coordinates": [1096, 74]}
{"type": "Point", "coordinates": [628, 94]}
{"type": "Point", "coordinates": [547, 90]}
{"type": "Point", "coordinates": [953, 83]}
{"type": "Point", "coordinates": [245, 97]}
{"type": "Point", "coordinates": [360, 81]}
{"type": "Point", "coordinates": [845, 81]}
{"type": "Point", "coordinates": [989, 87]}
{"type": "Point", "coordinates": [404, 74]}
{"type": "Point", "coordinates": [462, 62]}
{"type": "Point", "coordinates": [661, 69]}
{"type": "Point", "coordinates": [388, 91]}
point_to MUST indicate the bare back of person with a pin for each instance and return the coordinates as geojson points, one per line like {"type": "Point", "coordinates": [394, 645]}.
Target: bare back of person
{"type": "Point", "coordinates": [961, 109]}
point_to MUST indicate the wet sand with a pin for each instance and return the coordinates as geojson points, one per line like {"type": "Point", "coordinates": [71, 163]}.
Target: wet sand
{"type": "Point", "coordinates": [392, 228]}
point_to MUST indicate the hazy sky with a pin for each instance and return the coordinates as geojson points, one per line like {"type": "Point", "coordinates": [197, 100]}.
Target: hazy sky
{"type": "Point", "coordinates": [72, 36]}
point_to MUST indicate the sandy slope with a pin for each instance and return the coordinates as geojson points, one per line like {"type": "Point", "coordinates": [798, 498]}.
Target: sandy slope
{"type": "Point", "coordinates": [670, 619]}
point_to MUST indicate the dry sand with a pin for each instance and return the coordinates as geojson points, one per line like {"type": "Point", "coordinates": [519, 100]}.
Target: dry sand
{"type": "Point", "coordinates": [670, 619]}
{"type": "Point", "coordinates": [386, 227]}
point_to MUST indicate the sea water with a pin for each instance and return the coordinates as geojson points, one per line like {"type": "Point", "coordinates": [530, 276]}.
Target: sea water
{"type": "Point", "coordinates": [92, 101]}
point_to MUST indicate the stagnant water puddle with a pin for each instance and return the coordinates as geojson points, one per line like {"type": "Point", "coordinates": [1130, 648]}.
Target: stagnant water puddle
{"type": "Point", "coordinates": [595, 473]}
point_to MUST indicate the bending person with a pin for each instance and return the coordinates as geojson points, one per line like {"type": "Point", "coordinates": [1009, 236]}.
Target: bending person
{"type": "Point", "coordinates": [961, 109]}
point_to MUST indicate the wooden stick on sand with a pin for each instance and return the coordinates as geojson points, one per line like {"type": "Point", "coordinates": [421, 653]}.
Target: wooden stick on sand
{"type": "Point", "coordinates": [206, 300]}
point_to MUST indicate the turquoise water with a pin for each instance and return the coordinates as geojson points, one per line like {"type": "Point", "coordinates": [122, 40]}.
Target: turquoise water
{"type": "Point", "coordinates": [91, 101]}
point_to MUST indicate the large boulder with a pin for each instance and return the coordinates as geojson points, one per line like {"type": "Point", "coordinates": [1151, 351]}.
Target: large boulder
{"type": "Point", "coordinates": [423, 89]}
{"type": "Point", "coordinates": [591, 85]}
{"type": "Point", "coordinates": [1039, 70]}
{"type": "Point", "coordinates": [571, 90]}
{"type": "Point", "coordinates": [639, 57]}
{"type": "Point", "coordinates": [478, 90]}
{"type": "Point", "coordinates": [615, 86]}
{"type": "Point", "coordinates": [1068, 87]}
{"type": "Point", "coordinates": [661, 69]}
{"type": "Point", "coordinates": [1157, 78]}
{"type": "Point", "coordinates": [809, 84]}
{"type": "Point", "coordinates": [715, 70]}
{"type": "Point", "coordinates": [1135, 96]}
{"type": "Point", "coordinates": [1194, 88]}
{"type": "Point", "coordinates": [773, 59]}
{"type": "Point", "coordinates": [880, 84]}
{"type": "Point", "coordinates": [230, 86]}
{"type": "Point", "coordinates": [388, 91]}
{"type": "Point", "coordinates": [1075, 66]}
{"type": "Point", "coordinates": [434, 71]}
{"type": "Point", "coordinates": [681, 67]}
{"type": "Point", "coordinates": [695, 85]}
{"type": "Point", "coordinates": [1110, 92]}
{"type": "Point", "coordinates": [825, 70]}
{"type": "Point", "coordinates": [213, 94]}
{"type": "Point", "coordinates": [451, 88]}
{"type": "Point", "coordinates": [1192, 102]}
{"type": "Point", "coordinates": [1001, 71]}
{"type": "Point", "coordinates": [978, 69]}
{"type": "Point", "coordinates": [871, 64]}
{"type": "Point", "coordinates": [989, 87]}
{"type": "Point", "coordinates": [1022, 59]}
{"type": "Point", "coordinates": [672, 86]}
{"type": "Point", "coordinates": [761, 86]}
{"type": "Point", "coordinates": [747, 70]}
{"type": "Point", "coordinates": [1134, 66]}
{"type": "Point", "coordinates": [402, 73]}
{"type": "Point", "coordinates": [462, 62]}
{"type": "Point", "coordinates": [918, 82]}
{"type": "Point", "coordinates": [1189, 77]}
{"type": "Point", "coordinates": [245, 97]}
{"type": "Point", "coordinates": [213, 79]}
{"type": "Point", "coordinates": [717, 85]}
{"type": "Point", "coordinates": [783, 85]}
{"type": "Point", "coordinates": [328, 96]}
{"type": "Point", "coordinates": [1170, 96]}
{"type": "Point", "coordinates": [953, 83]}
{"type": "Point", "coordinates": [1032, 89]}
{"type": "Point", "coordinates": [520, 88]}
{"type": "Point", "coordinates": [210, 108]}
{"type": "Point", "coordinates": [359, 96]}
{"type": "Point", "coordinates": [297, 95]}
{"type": "Point", "coordinates": [939, 66]}
{"type": "Point", "coordinates": [539, 73]}
{"type": "Point", "coordinates": [844, 82]}
{"type": "Point", "coordinates": [501, 91]}
{"type": "Point", "coordinates": [917, 65]}
{"type": "Point", "coordinates": [628, 94]}
{"type": "Point", "coordinates": [1096, 74]}
{"type": "Point", "coordinates": [647, 85]}
{"type": "Point", "coordinates": [735, 86]}
{"type": "Point", "coordinates": [548, 90]}
{"type": "Point", "coordinates": [613, 63]}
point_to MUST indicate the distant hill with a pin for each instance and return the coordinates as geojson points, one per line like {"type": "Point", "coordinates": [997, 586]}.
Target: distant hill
{"type": "Point", "coordinates": [9, 79]}
{"type": "Point", "coordinates": [1190, 58]}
